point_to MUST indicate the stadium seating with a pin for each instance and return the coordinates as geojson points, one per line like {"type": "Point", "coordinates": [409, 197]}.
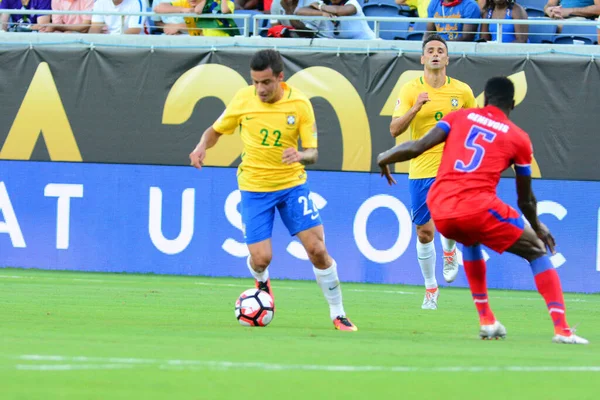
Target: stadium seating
{"type": "Point", "coordinates": [538, 4]}
{"type": "Point", "coordinates": [387, 30]}
{"type": "Point", "coordinates": [534, 8]}
{"type": "Point", "coordinates": [585, 34]}
{"type": "Point", "coordinates": [404, 10]}
{"type": "Point", "coordinates": [240, 21]}
{"type": "Point", "coordinates": [541, 33]}
{"type": "Point", "coordinates": [534, 12]}
{"type": "Point", "coordinates": [419, 29]}
{"type": "Point", "coordinates": [394, 30]}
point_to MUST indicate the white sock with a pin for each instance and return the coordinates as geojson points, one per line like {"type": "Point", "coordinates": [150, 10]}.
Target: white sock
{"type": "Point", "coordinates": [426, 255]}
{"type": "Point", "coordinates": [329, 282]}
{"type": "Point", "coordinates": [449, 245]}
{"type": "Point", "coordinates": [259, 276]}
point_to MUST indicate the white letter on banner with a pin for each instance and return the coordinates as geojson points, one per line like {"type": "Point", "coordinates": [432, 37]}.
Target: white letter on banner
{"type": "Point", "coordinates": [556, 209]}
{"type": "Point", "coordinates": [64, 192]}
{"type": "Point", "coordinates": [177, 245]}
{"type": "Point", "coordinates": [232, 246]}
{"type": "Point", "coordinates": [360, 228]}
{"type": "Point", "coordinates": [10, 224]}
{"type": "Point", "coordinates": [295, 248]}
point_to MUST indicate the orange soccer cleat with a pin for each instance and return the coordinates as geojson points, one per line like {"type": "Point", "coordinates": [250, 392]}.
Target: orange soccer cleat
{"type": "Point", "coordinates": [344, 324]}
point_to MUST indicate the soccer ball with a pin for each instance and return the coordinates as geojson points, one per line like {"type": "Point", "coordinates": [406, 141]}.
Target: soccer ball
{"type": "Point", "coordinates": [254, 307]}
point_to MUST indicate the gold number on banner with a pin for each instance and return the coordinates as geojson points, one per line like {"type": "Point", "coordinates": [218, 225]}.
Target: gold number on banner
{"type": "Point", "coordinates": [519, 79]}
{"type": "Point", "coordinates": [42, 112]}
{"type": "Point", "coordinates": [354, 123]}
{"type": "Point", "coordinates": [208, 80]}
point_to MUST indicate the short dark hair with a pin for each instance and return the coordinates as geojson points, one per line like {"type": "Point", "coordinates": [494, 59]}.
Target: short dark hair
{"type": "Point", "coordinates": [265, 59]}
{"type": "Point", "coordinates": [500, 91]}
{"type": "Point", "coordinates": [431, 38]}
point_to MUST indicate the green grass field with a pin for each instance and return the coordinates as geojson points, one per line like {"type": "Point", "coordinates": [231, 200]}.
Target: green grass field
{"type": "Point", "coordinates": [66, 335]}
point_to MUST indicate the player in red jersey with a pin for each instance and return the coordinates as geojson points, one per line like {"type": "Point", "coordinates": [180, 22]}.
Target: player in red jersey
{"type": "Point", "coordinates": [479, 145]}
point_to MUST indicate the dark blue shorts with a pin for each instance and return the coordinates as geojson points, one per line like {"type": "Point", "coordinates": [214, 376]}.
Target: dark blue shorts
{"type": "Point", "coordinates": [419, 188]}
{"type": "Point", "coordinates": [295, 206]}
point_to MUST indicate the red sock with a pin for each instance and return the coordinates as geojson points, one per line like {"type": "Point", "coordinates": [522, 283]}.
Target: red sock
{"type": "Point", "coordinates": [475, 270]}
{"type": "Point", "coordinates": [548, 284]}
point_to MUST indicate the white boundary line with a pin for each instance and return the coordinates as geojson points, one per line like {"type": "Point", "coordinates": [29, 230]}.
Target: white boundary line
{"type": "Point", "coordinates": [70, 367]}
{"type": "Point", "coordinates": [237, 285]}
{"type": "Point", "coordinates": [83, 363]}
{"type": "Point", "coordinates": [385, 291]}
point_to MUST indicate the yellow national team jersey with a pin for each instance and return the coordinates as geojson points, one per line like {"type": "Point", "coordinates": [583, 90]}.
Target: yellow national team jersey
{"type": "Point", "coordinates": [190, 22]}
{"type": "Point", "coordinates": [452, 96]}
{"type": "Point", "coordinates": [420, 5]}
{"type": "Point", "coordinates": [267, 130]}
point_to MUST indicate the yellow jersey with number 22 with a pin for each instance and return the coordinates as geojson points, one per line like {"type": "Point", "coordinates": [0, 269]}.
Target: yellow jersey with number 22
{"type": "Point", "coordinates": [267, 129]}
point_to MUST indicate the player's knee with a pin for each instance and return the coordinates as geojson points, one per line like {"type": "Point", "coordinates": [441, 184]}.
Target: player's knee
{"type": "Point", "coordinates": [317, 252]}
{"type": "Point", "coordinates": [537, 250]}
{"type": "Point", "coordinates": [530, 247]}
{"type": "Point", "coordinates": [261, 261]}
{"type": "Point", "coordinates": [425, 235]}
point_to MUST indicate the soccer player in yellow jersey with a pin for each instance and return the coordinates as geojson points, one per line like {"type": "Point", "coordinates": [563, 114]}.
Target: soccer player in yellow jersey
{"type": "Point", "coordinates": [421, 104]}
{"type": "Point", "coordinates": [271, 116]}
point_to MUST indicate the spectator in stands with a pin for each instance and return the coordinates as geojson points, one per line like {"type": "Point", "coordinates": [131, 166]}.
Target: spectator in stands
{"type": "Point", "coordinates": [420, 6]}
{"type": "Point", "coordinates": [116, 24]}
{"type": "Point", "coordinates": [24, 22]}
{"type": "Point", "coordinates": [283, 7]}
{"type": "Point", "coordinates": [261, 5]}
{"type": "Point", "coordinates": [320, 28]}
{"type": "Point", "coordinates": [561, 9]}
{"type": "Point", "coordinates": [169, 25]}
{"type": "Point", "coordinates": [454, 9]}
{"type": "Point", "coordinates": [296, 28]}
{"type": "Point", "coordinates": [504, 9]}
{"type": "Point", "coordinates": [70, 23]}
{"type": "Point", "coordinates": [203, 26]}
{"type": "Point", "coordinates": [341, 8]}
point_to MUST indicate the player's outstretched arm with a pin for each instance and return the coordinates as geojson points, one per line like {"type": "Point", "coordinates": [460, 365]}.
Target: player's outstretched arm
{"type": "Point", "coordinates": [528, 206]}
{"type": "Point", "coordinates": [414, 148]}
{"type": "Point", "coordinates": [409, 150]}
{"type": "Point", "coordinates": [209, 138]}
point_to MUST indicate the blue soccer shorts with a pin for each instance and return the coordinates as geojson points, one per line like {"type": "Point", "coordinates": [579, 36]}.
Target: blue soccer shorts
{"type": "Point", "coordinates": [419, 188]}
{"type": "Point", "coordinates": [295, 206]}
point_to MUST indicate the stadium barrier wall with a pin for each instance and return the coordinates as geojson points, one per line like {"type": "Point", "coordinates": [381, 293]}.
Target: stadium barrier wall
{"type": "Point", "coordinates": [149, 106]}
{"type": "Point", "coordinates": [178, 220]}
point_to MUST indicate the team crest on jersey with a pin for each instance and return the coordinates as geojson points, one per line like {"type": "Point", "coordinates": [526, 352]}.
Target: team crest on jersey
{"type": "Point", "coordinates": [397, 105]}
{"type": "Point", "coordinates": [454, 102]}
{"type": "Point", "coordinates": [291, 120]}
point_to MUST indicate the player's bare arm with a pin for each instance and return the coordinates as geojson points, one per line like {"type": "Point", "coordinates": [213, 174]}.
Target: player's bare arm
{"type": "Point", "coordinates": [306, 156]}
{"type": "Point", "coordinates": [528, 206]}
{"type": "Point", "coordinates": [209, 138]}
{"type": "Point", "coordinates": [400, 125]}
{"type": "Point", "coordinates": [409, 150]}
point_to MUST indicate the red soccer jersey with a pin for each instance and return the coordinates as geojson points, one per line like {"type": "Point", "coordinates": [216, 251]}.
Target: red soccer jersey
{"type": "Point", "coordinates": [481, 143]}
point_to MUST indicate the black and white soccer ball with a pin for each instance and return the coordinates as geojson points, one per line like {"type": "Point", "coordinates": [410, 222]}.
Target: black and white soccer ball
{"type": "Point", "coordinates": [254, 307]}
